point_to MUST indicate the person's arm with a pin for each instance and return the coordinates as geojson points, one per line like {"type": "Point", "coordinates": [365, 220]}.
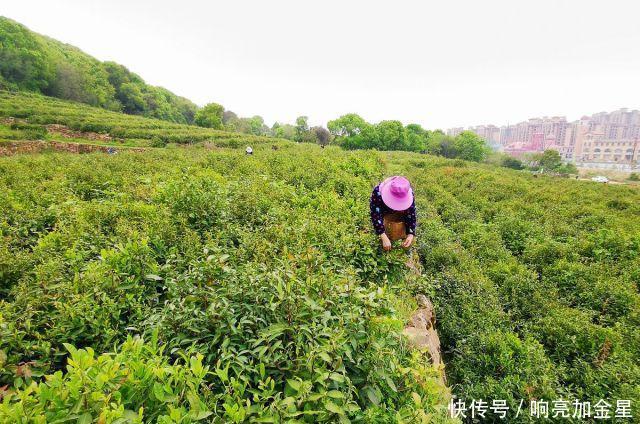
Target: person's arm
{"type": "Point", "coordinates": [410, 219]}
{"type": "Point", "coordinates": [376, 209]}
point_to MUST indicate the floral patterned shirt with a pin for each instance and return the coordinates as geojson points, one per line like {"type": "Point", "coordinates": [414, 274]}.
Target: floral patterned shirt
{"type": "Point", "coordinates": [379, 209]}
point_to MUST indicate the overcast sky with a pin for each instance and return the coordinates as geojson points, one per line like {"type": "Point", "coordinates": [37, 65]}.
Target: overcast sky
{"type": "Point", "coordinates": [438, 63]}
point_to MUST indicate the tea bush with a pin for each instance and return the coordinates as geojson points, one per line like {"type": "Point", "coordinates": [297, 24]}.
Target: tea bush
{"type": "Point", "coordinates": [137, 382]}
{"type": "Point", "coordinates": [262, 272]}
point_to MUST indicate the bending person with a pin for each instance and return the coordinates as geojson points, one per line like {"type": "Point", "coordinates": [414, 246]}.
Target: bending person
{"type": "Point", "coordinates": [393, 211]}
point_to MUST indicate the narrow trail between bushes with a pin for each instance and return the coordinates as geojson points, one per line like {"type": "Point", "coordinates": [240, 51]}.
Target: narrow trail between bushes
{"type": "Point", "coordinates": [29, 147]}
{"type": "Point", "coordinates": [420, 329]}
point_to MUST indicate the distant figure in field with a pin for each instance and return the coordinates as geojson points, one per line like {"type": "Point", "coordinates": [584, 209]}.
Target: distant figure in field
{"type": "Point", "coordinates": [249, 150]}
{"type": "Point", "coordinates": [393, 211]}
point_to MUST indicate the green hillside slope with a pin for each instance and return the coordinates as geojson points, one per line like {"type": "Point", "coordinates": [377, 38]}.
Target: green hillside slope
{"type": "Point", "coordinates": [33, 62]}
{"type": "Point", "coordinates": [33, 114]}
{"type": "Point", "coordinates": [262, 295]}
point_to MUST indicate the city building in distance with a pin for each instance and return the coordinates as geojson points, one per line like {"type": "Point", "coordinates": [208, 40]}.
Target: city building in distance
{"type": "Point", "coordinates": [609, 140]}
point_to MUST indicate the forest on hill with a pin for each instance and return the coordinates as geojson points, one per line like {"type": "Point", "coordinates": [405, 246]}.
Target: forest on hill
{"type": "Point", "coordinates": [33, 62]}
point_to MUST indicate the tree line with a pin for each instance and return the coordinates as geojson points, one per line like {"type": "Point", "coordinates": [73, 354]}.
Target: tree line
{"type": "Point", "coordinates": [352, 132]}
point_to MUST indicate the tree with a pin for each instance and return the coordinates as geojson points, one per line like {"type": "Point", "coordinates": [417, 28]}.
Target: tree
{"type": "Point", "coordinates": [237, 125]}
{"type": "Point", "coordinates": [232, 122]}
{"type": "Point", "coordinates": [441, 144]}
{"type": "Point", "coordinates": [348, 125]}
{"type": "Point", "coordinates": [186, 108]}
{"type": "Point", "coordinates": [132, 99]}
{"type": "Point", "coordinates": [68, 83]}
{"type": "Point", "coordinates": [257, 126]}
{"type": "Point", "coordinates": [469, 146]}
{"type": "Point", "coordinates": [286, 131]}
{"type": "Point", "coordinates": [550, 160]}
{"type": "Point", "coordinates": [228, 116]}
{"type": "Point", "coordinates": [352, 132]}
{"type": "Point", "coordinates": [390, 136]}
{"type": "Point", "coordinates": [322, 134]}
{"type": "Point", "coordinates": [210, 116]}
{"type": "Point", "coordinates": [416, 137]}
{"type": "Point", "coordinates": [302, 127]}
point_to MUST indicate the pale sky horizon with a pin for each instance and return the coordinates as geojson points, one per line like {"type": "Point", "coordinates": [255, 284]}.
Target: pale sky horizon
{"type": "Point", "coordinates": [442, 65]}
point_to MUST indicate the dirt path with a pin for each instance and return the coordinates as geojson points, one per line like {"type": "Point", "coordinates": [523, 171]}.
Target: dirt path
{"type": "Point", "coordinates": [10, 148]}
{"type": "Point", "coordinates": [421, 328]}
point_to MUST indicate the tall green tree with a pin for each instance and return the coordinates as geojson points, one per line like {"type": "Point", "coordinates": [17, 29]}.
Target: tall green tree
{"type": "Point", "coordinates": [349, 125]}
{"type": "Point", "coordinates": [257, 125]}
{"type": "Point", "coordinates": [441, 144]}
{"type": "Point", "coordinates": [210, 116]}
{"type": "Point", "coordinates": [390, 135]}
{"type": "Point", "coordinates": [469, 146]}
{"type": "Point", "coordinates": [302, 127]}
{"type": "Point", "coordinates": [68, 84]}
{"type": "Point", "coordinates": [286, 131]}
{"type": "Point", "coordinates": [132, 98]}
{"type": "Point", "coordinates": [549, 160]}
{"type": "Point", "coordinates": [416, 137]}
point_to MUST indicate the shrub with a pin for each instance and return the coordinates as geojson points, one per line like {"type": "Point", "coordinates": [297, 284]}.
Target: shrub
{"type": "Point", "coordinates": [135, 384]}
{"type": "Point", "coordinates": [511, 162]}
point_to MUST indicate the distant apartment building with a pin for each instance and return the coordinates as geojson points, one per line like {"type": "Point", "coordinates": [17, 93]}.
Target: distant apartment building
{"type": "Point", "coordinates": [607, 140]}
{"type": "Point", "coordinates": [602, 140]}
{"type": "Point", "coordinates": [599, 151]}
{"type": "Point", "coordinates": [490, 133]}
{"type": "Point", "coordinates": [454, 132]}
{"type": "Point", "coordinates": [524, 132]}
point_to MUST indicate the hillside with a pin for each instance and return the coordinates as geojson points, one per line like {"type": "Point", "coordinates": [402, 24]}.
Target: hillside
{"type": "Point", "coordinates": [261, 293]}
{"type": "Point", "coordinates": [33, 62]}
{"type": "Point", "coordinates": [28, 116]}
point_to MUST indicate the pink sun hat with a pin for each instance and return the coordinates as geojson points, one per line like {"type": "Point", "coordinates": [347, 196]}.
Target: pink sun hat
{"type": "Point", "coordinates": [396, 193]}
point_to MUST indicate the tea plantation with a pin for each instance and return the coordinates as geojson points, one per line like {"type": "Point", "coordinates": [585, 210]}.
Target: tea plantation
{"type": "Point", "coordinates": [32, 113]}
{"type": "Point", "coordinates": [178, 285]}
